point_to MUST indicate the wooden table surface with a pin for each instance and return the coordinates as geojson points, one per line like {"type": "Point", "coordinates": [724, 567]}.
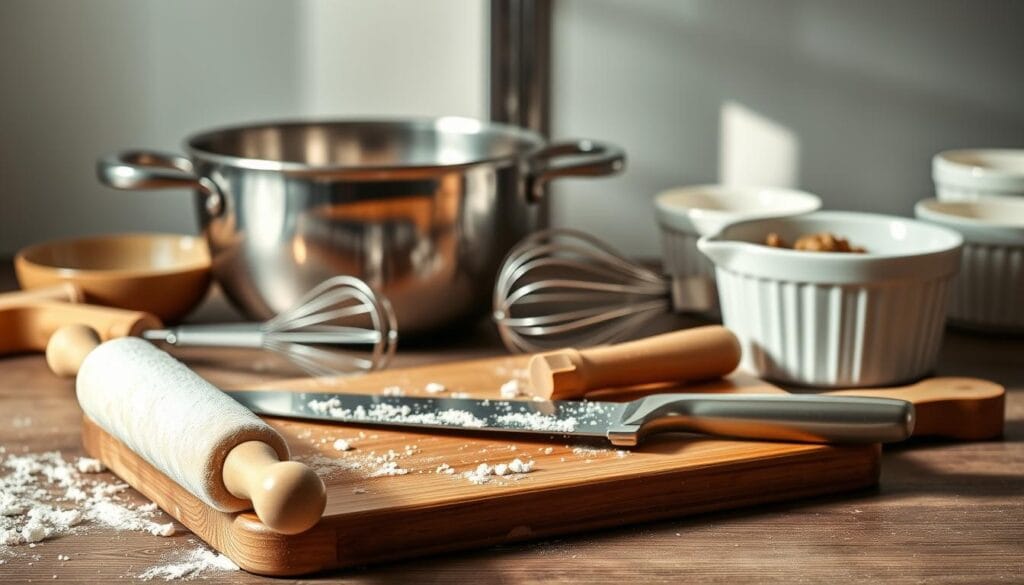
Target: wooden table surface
{"type": "Point", "coordinates": [943, 513]}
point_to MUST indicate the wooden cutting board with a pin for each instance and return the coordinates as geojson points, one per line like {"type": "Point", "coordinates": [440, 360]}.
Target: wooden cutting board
{"type": "Point", "coordinates": [572, 488]}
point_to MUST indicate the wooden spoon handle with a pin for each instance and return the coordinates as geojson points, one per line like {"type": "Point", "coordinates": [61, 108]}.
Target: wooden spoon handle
{"type": "Point", "coordinates": [29, 327]}
{"type": "Point", "coordinates": [691, 354]}
{"type": "Point", "coordinates": [65, 291]}
{"type": "Point", "coordinates": [968, 409]}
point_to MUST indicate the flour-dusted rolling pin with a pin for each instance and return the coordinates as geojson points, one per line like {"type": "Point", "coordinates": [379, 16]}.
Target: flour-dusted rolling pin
{"type": "Point", "coordinates": [691, 354]}
{"type": "Point", "coordinates": [184, 426]}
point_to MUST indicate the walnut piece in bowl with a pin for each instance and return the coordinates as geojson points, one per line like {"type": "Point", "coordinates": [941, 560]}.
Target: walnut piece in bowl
{"type": "Point", "coordinates": [816, 242]}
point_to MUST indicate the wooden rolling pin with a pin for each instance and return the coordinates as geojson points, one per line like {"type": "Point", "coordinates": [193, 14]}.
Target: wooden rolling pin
{"type": "Point", "coordinates": [188, 429]}
{"type": "Point", "coordinates": [691, 354]}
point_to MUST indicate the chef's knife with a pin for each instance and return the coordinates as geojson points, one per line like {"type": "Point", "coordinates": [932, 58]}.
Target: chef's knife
{"type": "Point", "coordinates": [799, 418]}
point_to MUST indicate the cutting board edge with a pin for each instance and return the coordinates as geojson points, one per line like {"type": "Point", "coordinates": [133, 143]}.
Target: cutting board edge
{"type": "Point", "coordinates": [237, 535]}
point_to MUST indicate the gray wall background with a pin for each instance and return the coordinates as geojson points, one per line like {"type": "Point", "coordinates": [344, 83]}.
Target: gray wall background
{"type": "Point", "coordinates": [84, 78]}
{"type": "Point", "coordinates": [853, 97]}
{"type": "Point", "coordinates": [845, 99]}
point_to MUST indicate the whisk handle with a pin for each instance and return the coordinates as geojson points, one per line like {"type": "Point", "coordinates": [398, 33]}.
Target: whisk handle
{"type": "Point", "coordinates": [691, 354]}
{"type": "Point", "coordinates": [220, 335]}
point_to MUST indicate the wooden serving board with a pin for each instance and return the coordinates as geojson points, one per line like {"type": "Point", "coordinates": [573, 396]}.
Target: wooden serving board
{"type": "Point", "coordinates": [573, 487]}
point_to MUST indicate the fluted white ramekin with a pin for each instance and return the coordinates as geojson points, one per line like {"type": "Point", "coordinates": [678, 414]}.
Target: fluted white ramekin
{"type": "Point", "coordinates": [964, 175]}
{"type": "Point", "coordinates": [831, 319]}
{"type": "Point", "coordinates": [989, 291]}
{"type": "Point", "coordinates": [687, 213]}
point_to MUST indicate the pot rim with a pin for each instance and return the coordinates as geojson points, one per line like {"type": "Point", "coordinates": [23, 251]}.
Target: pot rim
{"type": "Point", "coordinates": [444, 124]}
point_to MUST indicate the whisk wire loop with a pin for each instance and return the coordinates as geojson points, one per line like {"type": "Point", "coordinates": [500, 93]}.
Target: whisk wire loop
{"type": "Point", "coordinates": [562, 287]}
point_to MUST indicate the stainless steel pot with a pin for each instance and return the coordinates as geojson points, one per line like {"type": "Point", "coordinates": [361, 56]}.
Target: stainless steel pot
{"type": "Point", "coordinates": [423, 210]}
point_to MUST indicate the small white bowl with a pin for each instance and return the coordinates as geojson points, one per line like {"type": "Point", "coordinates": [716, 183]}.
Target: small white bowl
{"type": "Point", "coordinates": [964, 175]}
{"type": "Point", "coordinates": [989, 291]}
{"type": "Point", "coordinates": [687, 213]}
{"type": "Point", "coordinates": [836, 319]}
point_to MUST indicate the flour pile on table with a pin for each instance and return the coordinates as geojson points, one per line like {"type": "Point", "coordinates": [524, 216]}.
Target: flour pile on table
{"type": "Point", "coordinates": [44, 496]}
{"type": "Point", "coordinates": [188, 565]}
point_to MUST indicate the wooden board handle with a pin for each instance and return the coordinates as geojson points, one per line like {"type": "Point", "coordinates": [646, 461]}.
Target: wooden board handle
{"type": "Point", "coordinates": [691, 354]}
{"type": "Point", "coordinates": [967, 409]}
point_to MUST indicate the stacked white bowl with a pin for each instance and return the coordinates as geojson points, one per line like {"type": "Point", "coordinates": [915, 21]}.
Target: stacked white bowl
{"type": "Point", "coordinates": [963, 175]}
{"type": "Point", "coordinates": [980, 194]}
{"type": "Point", "coordinates": [687, 213]}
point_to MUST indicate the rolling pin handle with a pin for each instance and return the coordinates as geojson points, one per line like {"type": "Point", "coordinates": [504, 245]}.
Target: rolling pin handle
{"type": "Point", "coordinates": [692, 354]}
{"type": "Point", "coordinates": [67, 348]}
{"type": "Point", "coordinates": [287, 496]}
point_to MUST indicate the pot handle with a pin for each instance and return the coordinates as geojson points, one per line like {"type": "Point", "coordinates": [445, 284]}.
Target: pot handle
{"type": "Point", "coordinates": [146, 169]}
{"type": "Point", "coordinates": [590, 158]}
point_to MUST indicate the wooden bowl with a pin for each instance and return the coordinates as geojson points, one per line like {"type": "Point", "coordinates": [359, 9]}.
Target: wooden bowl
{"type": "Point", "coordinates": [163, 274]}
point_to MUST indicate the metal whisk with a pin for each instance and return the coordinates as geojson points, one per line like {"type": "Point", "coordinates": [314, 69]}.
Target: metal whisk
{"type": "Point", "coordinates": [563, 287]}
{"type": "Point", "coordinates": [342, 311]}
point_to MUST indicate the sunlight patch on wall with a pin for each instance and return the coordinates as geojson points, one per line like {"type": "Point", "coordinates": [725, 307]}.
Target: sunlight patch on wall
{"type": "Point", "coordinates": [756, 150]}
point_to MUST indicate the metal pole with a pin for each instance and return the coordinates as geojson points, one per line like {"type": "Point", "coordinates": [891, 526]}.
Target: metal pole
{"type": "Point", "coordinates": [521, 63]}
{"type": "Point", "coordinates": [520, 79]}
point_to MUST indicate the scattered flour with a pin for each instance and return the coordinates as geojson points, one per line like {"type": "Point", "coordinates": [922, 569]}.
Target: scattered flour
{"type": "Point", "coordinates": [484, 473]}
{"type": "Point", "coordinates": [393, 391]}
{"type": "Point", "coordinates": [388, 469]}
{"type": "Point", "coordinates": [512, 389]}
{"type": "Point", "coordinates": [189, 565]}
{"type": "Point", "coordinates": [383, 413]}
{"type": "Point", "coordinates": [435, 388]}
{"type": "Point", "coordinates": [89, 465]}
{"type": "Point", "coordinates": [342, 445]}
{"type": "Point", "coordinates": [43, 496]}
{"type": "Point", "coordinates": [538, 421]}
{"type": "Point", "coordinates": [519, 466]}
{"type": "Point", "coordinates": [460, 395]}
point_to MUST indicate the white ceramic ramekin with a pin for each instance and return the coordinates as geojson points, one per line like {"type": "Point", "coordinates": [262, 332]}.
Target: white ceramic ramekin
{"type": "Point", "coordinates": [831, 319]}
{"type": "Point", "coordinates": [989, 291]}
{"type": "Point", "coordinates": [963, 175]}
{"type": "Point", "coordinates": [687, 213]}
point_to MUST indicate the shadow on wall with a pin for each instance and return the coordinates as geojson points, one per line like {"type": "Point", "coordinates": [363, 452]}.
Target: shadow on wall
{"type": "Point", "coordinates": [868, 90]}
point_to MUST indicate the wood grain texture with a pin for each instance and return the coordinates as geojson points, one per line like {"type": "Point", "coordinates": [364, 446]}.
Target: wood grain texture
{"type": "Point", "coordinates": [572, 488]}
{"type": "Point", "coordinates": [942, 513]}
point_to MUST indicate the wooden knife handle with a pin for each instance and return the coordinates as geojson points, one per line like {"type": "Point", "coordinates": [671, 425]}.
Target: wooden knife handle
{"type": "Point", "coordinates": [691, 354]}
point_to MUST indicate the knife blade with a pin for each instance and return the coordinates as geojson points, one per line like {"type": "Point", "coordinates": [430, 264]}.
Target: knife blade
{"type": "Point", "coordinates": [797, 418]}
